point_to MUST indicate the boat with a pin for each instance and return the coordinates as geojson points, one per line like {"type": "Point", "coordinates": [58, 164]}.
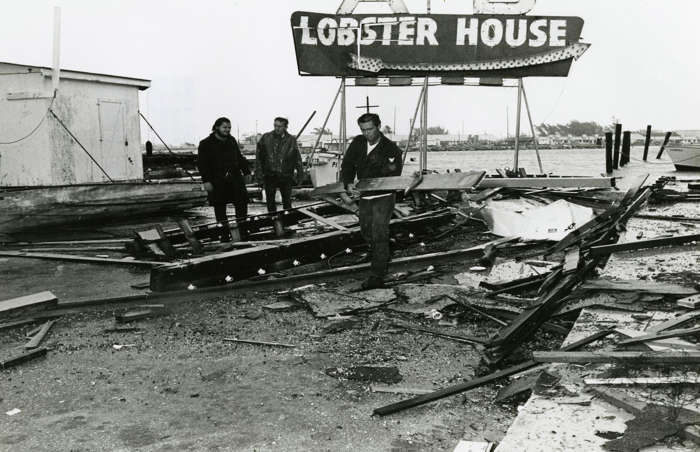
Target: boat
{"type": "Point", "coordinates": [25, 208]}
{"type": "Point", "coordinates": [82, 161]}
{"type": "Point", "coordinates": [685, 157]}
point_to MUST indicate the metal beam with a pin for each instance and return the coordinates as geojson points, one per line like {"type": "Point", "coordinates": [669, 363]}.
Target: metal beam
{"type": "Point", "coordinates": [348, 6]}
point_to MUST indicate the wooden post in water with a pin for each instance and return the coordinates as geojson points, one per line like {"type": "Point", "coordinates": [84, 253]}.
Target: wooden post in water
{"type": "Point", "coordinates": [626, 144]}
{"type": "Point", "coordinates": [608, 153]}
{"type": "Point", "coordinates": [663, 146]}
{"type": "Point", "coordinates": [647, 140]}
{"type": "Point", "coordinates": [616, 151]}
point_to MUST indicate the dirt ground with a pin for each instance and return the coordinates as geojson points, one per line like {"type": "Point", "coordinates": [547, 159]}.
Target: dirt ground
{"type": "Point", "coordinates": [175, 384]}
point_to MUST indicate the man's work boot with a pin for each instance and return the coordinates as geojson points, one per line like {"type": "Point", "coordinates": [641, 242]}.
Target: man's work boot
{"type": "Point", "coordinates": [225, 235]}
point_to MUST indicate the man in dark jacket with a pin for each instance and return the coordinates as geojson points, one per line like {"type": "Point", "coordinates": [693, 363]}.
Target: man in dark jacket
{"type": "Point", "coordinates": [277, 158]}
{"type": "Point", "coordinates": [223, 169]}
{"type": "Point", "coordinates": [372, 155]}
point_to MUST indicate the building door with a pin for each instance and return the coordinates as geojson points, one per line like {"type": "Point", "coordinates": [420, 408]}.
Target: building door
{"type": "Point", "coordinates": [113, 138]}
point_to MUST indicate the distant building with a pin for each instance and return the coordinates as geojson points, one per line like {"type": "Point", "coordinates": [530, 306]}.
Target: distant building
{"type": "Point", "coordinates": [100, 110]}
{"type": "Point", "coordinates": [689, 136]}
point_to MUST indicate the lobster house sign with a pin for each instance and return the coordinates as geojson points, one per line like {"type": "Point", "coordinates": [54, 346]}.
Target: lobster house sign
{"type": "Point", "coordinates": [499, 41]}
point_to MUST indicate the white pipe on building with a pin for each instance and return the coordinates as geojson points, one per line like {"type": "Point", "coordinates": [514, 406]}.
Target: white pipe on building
{"type": "Point", "coordinates": [56, 73]}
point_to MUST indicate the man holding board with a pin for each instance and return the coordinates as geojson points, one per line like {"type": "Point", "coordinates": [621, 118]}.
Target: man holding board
{"type": "Point", "coordinates": [372, 155]}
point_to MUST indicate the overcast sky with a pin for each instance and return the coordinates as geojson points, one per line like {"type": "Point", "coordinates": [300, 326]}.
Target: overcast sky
{"type": "Point", "coordinates": [236, 58]}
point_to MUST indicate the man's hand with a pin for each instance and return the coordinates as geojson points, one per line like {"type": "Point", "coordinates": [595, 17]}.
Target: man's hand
{"type": "Point", "coordinates": [352, 191]}
{"type": "Point", "coordinates": [347, 200]}
{"type": "Point", "coordinates": [208, 186]}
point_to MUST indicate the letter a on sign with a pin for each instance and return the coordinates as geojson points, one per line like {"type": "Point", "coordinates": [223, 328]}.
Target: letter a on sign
{"type": "Point", "coordinates": [503, 6]}
{"type": "Point", "coordinates": [348, 6]}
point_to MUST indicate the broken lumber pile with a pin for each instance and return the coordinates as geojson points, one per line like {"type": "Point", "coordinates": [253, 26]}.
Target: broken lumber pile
{"type": "Point", "coordinates": [579, 264]}
{"type": "Point", "coordinates": [246, 263]}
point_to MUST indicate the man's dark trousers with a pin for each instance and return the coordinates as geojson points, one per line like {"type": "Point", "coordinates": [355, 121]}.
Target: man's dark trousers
{"type": "Point", "coordinates": [272, 184]}
{"type": "Point", "coordinates": [375, 215]}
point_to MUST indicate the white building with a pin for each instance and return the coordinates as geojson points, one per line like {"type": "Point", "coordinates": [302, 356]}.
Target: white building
{"type": "Point", "coordinates": [100, 110]}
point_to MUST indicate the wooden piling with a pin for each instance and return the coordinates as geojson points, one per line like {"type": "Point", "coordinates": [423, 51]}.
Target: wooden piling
{"type": "Point", "coordinates": [626, 145]}
{"type": "Point", "coordinates": [616, 151]}
{"type": "Point", "coordinates": [647, 141]}
{"type": "Point", "coordinates": [608, 153]}
{"type": "Point", "coordinates": [663, 146]}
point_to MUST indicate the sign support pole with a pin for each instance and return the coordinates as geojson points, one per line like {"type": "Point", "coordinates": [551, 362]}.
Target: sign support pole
{"type": "Point", "coordinates": [343, 120]}
{"type": "Point", "coordinates": [413, 124]}
{"type": "Point", "coordinates": [424, 129]}
{"type": "Point", "coordinates": [309, 160]}
{"type": "Point", "coordinates": [532, 129]}
{"type": "Point", "coordinates": [517, 126]}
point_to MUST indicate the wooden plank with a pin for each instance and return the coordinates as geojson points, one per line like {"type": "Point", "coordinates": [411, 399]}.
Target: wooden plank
{"type": "Point", "coordinates": [430, 182]}
{"type": "Point", "coordinates": [478, 382]}
{"type": "Point", "coordinates": [661, 335]}
{"type": "Point", "coordinates": [35, 341]}
{"type": "Point", "coordinates": [484, 194]}
{"type": "Point", "coordinates": [465, 339]}
{"type": "Point", "coordinates": [23, 357]}
{"type": "Point", "coordinates": [642, 381]}
{"type": "Point", "coordinates": [677, 321]}
{"type": "Point", "coordinates": [323, 220]}
{"type": "Point", "coordinates": [547, 182]}
{"type": "Point", "coordinates": [41, 299]}
{"type": "Point", "coordinates": [81, 259]}
{"type": "Point", "coordinates": [637, 286]}
{"type": "Point", "coordinates": [285, 282]}
{"type": "Point", "coordinates": [247, 341]}
{"type": "Point", "coordinates": [644, 244]}
{"type": "Point", "coordinates": [667, 357]}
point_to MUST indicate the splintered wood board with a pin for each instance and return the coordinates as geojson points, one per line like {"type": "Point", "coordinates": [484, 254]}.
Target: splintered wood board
{"type": "Point", "coordinates": [431, 182]}
{"type": "Point", "coordinates": [45, 298]}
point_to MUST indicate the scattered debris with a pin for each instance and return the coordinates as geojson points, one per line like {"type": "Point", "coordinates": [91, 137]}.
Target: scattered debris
{"type": "Point", "coordinates": [372, 374]}
{"type": "Point", "coordinates": [122, 346]}
{"type": "Point", "coordinates": [325, 303]}
{"type": "Point", "coordinates": [399, 389]}
{"type": "Point", "coordinates": [340, 324]}
{"type": "Point", "coordinates": [281, 306]}
{"type": "Point", "coordinates": [13, 411]}
{"type": "Point", "coordinates": [131, 316]}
